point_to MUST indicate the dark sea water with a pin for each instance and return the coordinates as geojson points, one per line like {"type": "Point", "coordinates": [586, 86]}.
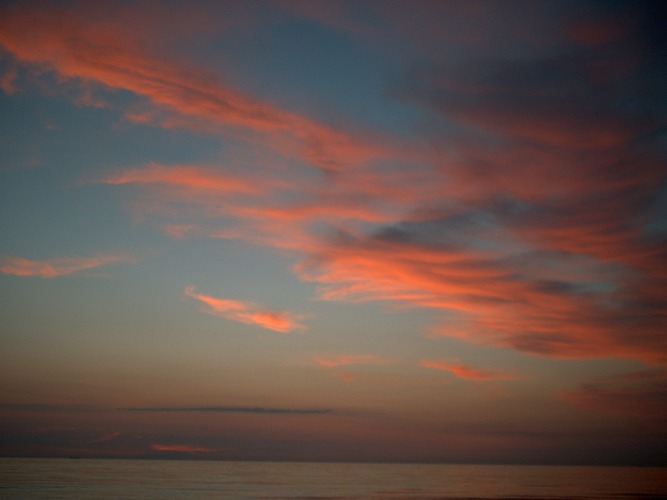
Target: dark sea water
{"type": "Point", "coordinates": [83, 478]}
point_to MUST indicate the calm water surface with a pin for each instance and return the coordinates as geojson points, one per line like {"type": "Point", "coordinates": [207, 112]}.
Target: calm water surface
{"type": "Point", "coordinates": [65, 478]}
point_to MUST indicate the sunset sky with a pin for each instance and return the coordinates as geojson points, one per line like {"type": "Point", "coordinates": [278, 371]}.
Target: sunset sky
{"type": "Point", "coordinates": [429, 231]}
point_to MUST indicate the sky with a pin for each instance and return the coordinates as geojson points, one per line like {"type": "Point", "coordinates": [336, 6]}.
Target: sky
{"type": "Point", "coordinates": [394, 231]}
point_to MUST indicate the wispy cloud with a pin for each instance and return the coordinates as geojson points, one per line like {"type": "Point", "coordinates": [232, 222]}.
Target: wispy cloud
{"type": "Point", "coordinates": [462, 370]}
{"type": "Point", "coordinates": [333, 363]}
{"type": "Point", "coordinates": [249, 312]}
{"type": "Point", "coordinates": [262, 410]}
{"type": "Point", "coordinates": [53, 268]}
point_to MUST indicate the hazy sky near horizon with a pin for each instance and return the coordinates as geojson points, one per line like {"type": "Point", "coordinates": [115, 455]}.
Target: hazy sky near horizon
{"type": "Point", "coordinates": [331, 230]}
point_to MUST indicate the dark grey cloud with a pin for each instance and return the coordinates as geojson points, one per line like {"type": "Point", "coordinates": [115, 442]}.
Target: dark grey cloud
{"type": "Point", "coordinates": [47, 408]}
{"type": "Point", "coordinates": [262, 410]}
{"type": "Point", "coordinates": [639, 393]}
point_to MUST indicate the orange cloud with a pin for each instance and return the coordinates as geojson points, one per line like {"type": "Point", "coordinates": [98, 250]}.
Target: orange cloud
{"type": "Point", "coordinates": [54, 268]}
{"type": "Point", "coordinates": [462, 370]}
{"type": "Point", "coordinates": [248, 312]}
{"type": "Point", "coordinates": [181, 448]}
{"type": "Point", "coordinates": [543, 280]}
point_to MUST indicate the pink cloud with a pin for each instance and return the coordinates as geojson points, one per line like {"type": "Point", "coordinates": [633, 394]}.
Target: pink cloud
{"type": "Point", "coordinates": [53, 268]}
{"type": "Point", "coordinates": [462, 370]}
{"type": "Point", "coordinates": [249, 312]}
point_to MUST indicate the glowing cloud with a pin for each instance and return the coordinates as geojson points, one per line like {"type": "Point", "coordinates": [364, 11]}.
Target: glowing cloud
{"type": "Point", "coordinates": [462, 370]}
{"type": "Point", "coordinates": [248, 312]}
{"type": "Point", "coordinates": [54, 268]}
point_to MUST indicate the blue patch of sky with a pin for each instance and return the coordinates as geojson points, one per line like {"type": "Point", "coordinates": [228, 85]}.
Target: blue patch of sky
{"type": "Point", "coordinates": [55, 152]}
{"type": "Point", "coordinates": [321, 72]}
{"type": "Point", "coordinates": [657, 225]}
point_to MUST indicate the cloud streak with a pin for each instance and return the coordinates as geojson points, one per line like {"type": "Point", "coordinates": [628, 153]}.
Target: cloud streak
{"type": "Point", "coordinates": [248, 312]}
{"type": "Point", "coordinates": [57, 267]}
{"type": "Point", "coordinates": [333, 363]}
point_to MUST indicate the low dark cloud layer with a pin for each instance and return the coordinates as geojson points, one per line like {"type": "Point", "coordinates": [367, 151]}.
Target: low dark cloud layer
{"type": "Point", "coordinates": [261, 410]}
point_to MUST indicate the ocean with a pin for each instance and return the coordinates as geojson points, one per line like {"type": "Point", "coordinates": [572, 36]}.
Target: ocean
{"type": "Point", "coordinates": [135, 479]}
